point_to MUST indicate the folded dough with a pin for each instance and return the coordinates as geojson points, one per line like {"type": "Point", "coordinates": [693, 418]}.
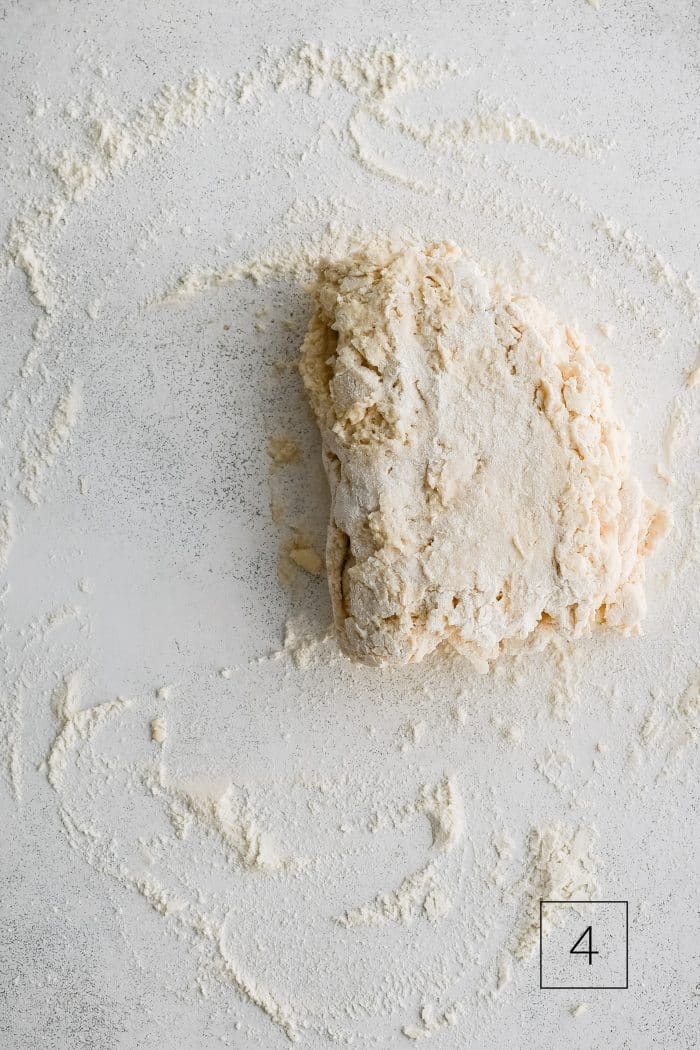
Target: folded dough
{"type": "Point", "coordinates": [479, 481]}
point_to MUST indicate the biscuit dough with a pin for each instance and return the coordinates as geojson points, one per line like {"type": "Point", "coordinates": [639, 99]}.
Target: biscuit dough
{"type": "Point", "coordinates": [480, 489]}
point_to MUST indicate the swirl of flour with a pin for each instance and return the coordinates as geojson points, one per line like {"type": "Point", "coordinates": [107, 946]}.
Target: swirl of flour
{"type": "Point", "coordinates": [481, 495]}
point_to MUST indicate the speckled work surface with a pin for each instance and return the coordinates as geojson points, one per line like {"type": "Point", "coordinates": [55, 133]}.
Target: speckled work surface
{"type": "Point", "coordinates": [300, 849]}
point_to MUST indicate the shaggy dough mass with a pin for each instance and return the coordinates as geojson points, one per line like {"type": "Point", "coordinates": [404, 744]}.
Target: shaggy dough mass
{"type": "Point", "coordinates": [479, 481]}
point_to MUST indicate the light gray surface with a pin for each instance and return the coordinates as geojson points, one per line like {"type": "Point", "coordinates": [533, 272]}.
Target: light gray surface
{"type": "Point", "coordinates": [176, 536]}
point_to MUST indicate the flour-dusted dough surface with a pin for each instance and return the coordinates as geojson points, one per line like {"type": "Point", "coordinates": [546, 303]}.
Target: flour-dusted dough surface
{"type": "Point", "coordinates": [481, 495]}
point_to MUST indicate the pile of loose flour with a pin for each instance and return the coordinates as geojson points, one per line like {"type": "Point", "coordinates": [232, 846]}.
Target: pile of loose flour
{"type": "Point", "coordinates": [339, 855]}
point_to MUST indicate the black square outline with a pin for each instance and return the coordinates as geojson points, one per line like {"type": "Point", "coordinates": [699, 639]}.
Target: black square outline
{"type": "Point", "coordinates": [590, 987]}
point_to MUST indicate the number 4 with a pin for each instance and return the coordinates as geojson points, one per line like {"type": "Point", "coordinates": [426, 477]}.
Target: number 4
{"type": "Point", "coordinates": [588, 948]}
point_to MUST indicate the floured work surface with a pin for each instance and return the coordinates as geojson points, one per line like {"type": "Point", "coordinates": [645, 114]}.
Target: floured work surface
{"type": "Point", "coordinates": [221, 830]}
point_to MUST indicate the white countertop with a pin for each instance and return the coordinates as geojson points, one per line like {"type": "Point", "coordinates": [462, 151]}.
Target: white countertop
{"type": "Point", "coordinates": [134, 913]}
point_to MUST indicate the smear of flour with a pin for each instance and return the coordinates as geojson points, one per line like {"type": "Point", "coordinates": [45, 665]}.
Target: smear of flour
{"type": "Point", "coordinates": [490, 124]}
{"type": "Point", "coordinates": [12, 733]}
{"type": "Point", "coordinates": [281, 1014]}
{"type": "Point", "coordinates": [116, 141]}
{"type": "Point", "coordinates": [225, 811]}
{"type": "Point", "coordinates": [562, 865]}
{"type": "Point", "coordinates": [650, 262]}
{"type": "Point", "coordinates": [693, 377]}
{"type": "Point", "coordinates": [431, 1022]}
{"type": "Point", "coordinates": [671, 729]}
{"type": "Point", "coordinates": [415, 895]}
{"type": "Point", "coordinates": [303, 644]}
{"type": "Point", "coordinates": [41, 448]}
{"type": "Point", "coordinates": [675, 432]}
{"type": "Point", "coordinates": [7, 533]}
{"type": "Point", "coordinates": [187, 917]}
{"type": "Point", "coordinates": [379, 71]}
{"type": "Point", "coordinates": [374, 75]}
{"type": "Point", "coordinates": [297, 261]}
{"type": "Point", "coordinates": [79, 726]}
{"type": "Point", "coordinates": [75, 724]}
{"type": "Point", "coordinates": [420, 892]}
{"type": "Point", "coordinates": [213, 809]}
{"type": "Point", "coordinates": [440, 803]}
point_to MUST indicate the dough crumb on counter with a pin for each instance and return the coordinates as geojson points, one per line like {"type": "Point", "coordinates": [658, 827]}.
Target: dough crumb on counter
{"type": "Point", "coordinates": [159, 730]}
{"type": "Point", "coordinates": [282, 450]}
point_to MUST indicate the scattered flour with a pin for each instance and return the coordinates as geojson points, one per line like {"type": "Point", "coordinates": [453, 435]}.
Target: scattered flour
{"type": "Point", "coordinates": [223, 810]}
{"type": "Point", "coordinates": [75, 724]}
{"type": "Point", "coordinates": [301, 643]}
{"type": "Point", "coordinates": [432, 1022]}
{"type": "Point", "coordinates": [670, 729]}
{"type": "Point", "coordinates": [280, 1014]}
{"type": "Point", "coordinates": [562, 866]}
{"type": "Point", "coordinates": [7, 533]}
{"type": "Point", "coordinates": [416, 895]}
{"type": "Point", "coordinates": [693, 378]}
{"type": "Point", "coordinates": [490, 124]}
{"type": "Point", "coordinates": [676, 431]}
{"type": "Point", "coordinates": [650, 262]}
{"type": "Point", "coordinates": [420, 892]}
{"type": "Point", "coordinates": [40, 449]}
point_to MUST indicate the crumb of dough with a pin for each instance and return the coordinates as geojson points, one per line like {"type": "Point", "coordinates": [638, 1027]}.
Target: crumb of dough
{"type": "Point", "coordinates": [693, 378]}
{"type": "Point", "coordinates": [578, 1009]}
{"type": "Point", "coordinates": [307, 559]}
{"type": "Point", "coordinates": [481, 495]}
{"type": "Point", "coordinates": [159, 730]}
{"type": "Point", "coordinates": [608, 330]}
{"type": "Point", "coordinates": [298, 552]}
{"type": "Point", "coordinates": [282, 450]}
{"type": "Point", "coordinates": [226, 672]}
{"type": "Point", "coordinates": [164, 692]}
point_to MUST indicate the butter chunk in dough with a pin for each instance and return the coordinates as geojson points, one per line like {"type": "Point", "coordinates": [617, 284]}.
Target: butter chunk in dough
{"type": "Point", "coordinates": [481, 496]}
